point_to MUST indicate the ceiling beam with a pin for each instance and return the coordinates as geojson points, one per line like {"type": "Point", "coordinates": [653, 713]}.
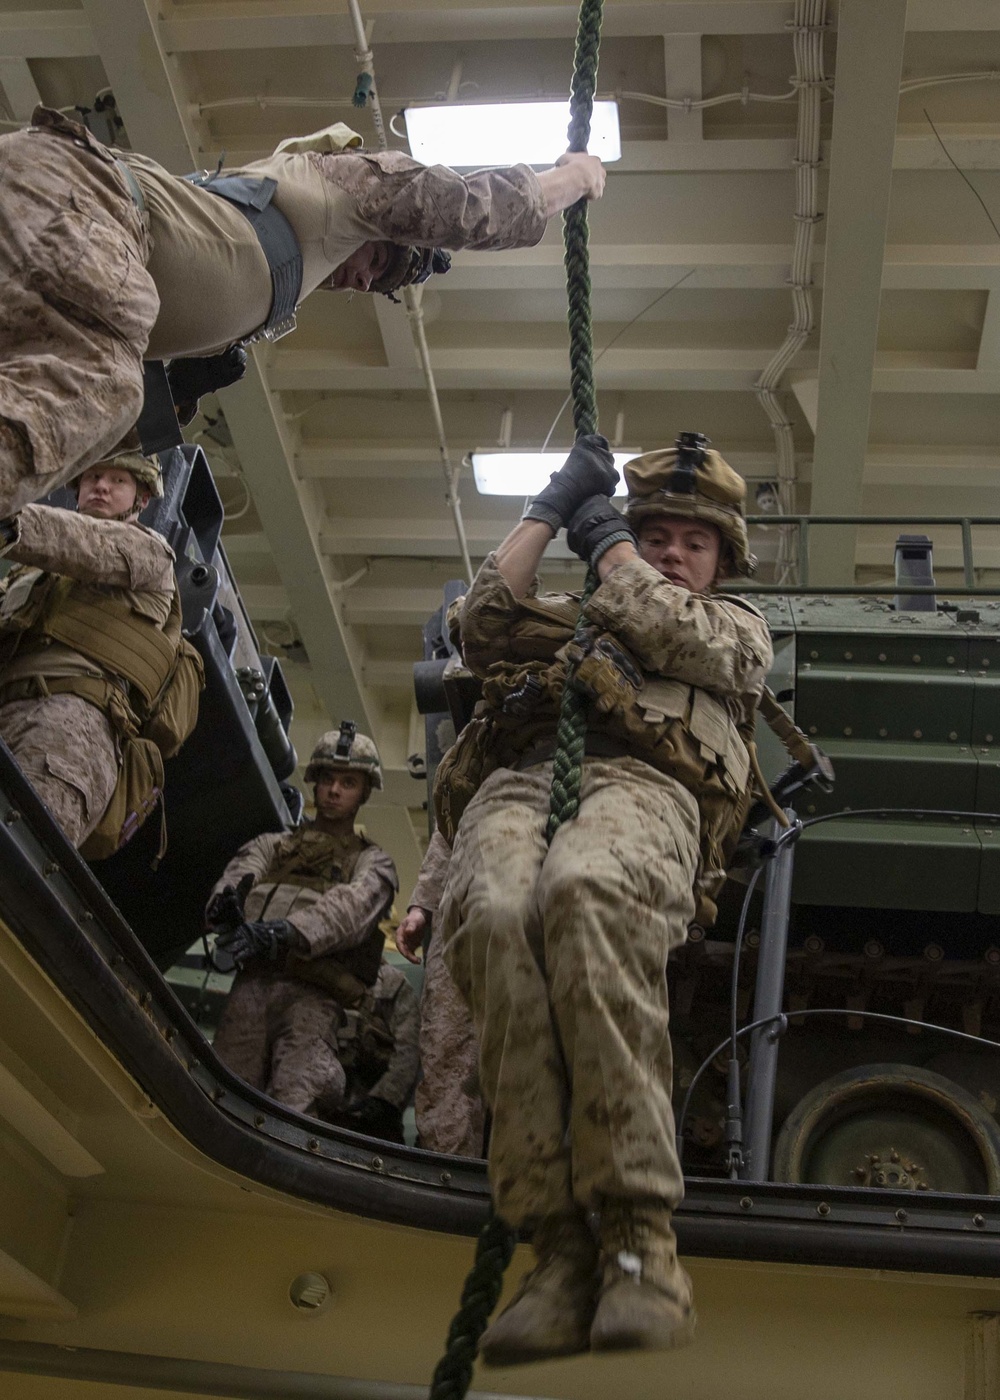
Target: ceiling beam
{"type": "Point", "coordinates": [869, 63]}
{"type": "Point", "coordinates": [18, 88]}
{"type": "Point", "coordinates": [244, 26]}
{"type": "Point", "coordinates": [145, 81]}
{"type": "Point", "coordinates": [682, 64]}
{"type": "Point", "coordinates": [337, 460]}
{"type": "Point", "coordinates": [292, 516]}
{"type": "Point", "coordinates": [46, 34]}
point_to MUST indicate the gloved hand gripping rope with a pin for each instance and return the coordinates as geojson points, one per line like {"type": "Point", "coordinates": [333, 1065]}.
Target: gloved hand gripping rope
{"type": "Point", "coordinates": [495, 1246]}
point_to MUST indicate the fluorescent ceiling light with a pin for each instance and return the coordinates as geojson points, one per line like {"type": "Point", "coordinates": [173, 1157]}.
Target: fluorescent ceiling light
{"type": "Point", "coordinates": [505, 133]}
{"type": "Point", "coordinates": [504, 473]}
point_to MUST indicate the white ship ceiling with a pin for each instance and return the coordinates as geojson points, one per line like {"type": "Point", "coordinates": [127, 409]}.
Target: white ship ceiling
{"type": "Point", "coordinates": [327, 456]}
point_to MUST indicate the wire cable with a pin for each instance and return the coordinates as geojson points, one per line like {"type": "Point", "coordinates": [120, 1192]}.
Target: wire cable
{"type": "Point", "coordinates": [782, 1018]}
{"type": "Point", "coordinates": [961, 172]}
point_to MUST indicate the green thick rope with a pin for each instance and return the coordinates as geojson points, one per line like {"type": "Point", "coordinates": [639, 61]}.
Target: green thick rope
{"type": "Point", "coordinates": [495, 1247]}
{"type": "Point", "coordinates": [571, 734]}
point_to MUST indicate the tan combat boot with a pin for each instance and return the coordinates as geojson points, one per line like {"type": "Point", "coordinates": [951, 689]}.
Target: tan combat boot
{"type": "Point", "coordinates": [645, 1300]}
{"type": "Point", "coordinates": [551, 1312]}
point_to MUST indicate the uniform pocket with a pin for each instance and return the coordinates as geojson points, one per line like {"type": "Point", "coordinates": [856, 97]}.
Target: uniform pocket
{"type": "Point", "coordinates": [84, 266]}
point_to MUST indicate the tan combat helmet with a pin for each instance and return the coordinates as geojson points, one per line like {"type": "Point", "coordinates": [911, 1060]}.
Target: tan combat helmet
{"type": "Point", "coordinates": [345, 750]}
{"type": "Point", "coordinates": [697, 482]}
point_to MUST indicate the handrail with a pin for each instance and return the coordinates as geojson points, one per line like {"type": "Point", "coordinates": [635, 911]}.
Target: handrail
{"type": "Point", "coordinates": [806, 522]}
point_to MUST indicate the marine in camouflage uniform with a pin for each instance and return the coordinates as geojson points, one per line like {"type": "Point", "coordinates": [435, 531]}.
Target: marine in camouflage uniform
{"type": "Point", "coordinates": [92, 596]}
{"type": "Point", "coordinates": [107, 259]}
{"type": "Point", "coordinates": [306, 938]}
{"type": "Point", "coordinates": [449, 1106]}
{"type": "Point", "coordinates": [561, 949]}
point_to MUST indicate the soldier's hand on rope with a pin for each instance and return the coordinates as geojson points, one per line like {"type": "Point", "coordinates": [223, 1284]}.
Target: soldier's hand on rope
{"type": "Point", "coordinates": [589, 470]}
{"type": "Point", "coordinates": [265, 939]}
{"type": "Point", "coordinates": [595, 527]}
{"type": "Point", "coordinates": [589, 170]}
{"type": "Point", "coordinates": [410, 933]}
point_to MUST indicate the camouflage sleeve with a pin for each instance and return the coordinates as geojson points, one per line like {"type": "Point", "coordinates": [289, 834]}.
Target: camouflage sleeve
{"type": "Point", "coordinates": [400, 1078]}
{"type": "Point", "coordinates": [707, 642]}
{"type": "Point", "coordinates": [93, 551]}
{"type": "Point", "coordinates": [434, 207]}
{"type": "Point", "coordinates": [429, 888]}
{"type": "Point", "coordinates": [252, 859]}
{"type": "Point", "coordinates": [487, 614]}
{"type": "Point", "coordinates": [345, 915]}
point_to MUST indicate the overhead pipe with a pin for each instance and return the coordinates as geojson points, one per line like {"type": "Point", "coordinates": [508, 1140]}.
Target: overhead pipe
{"type": "Point", "coordinates": [808, 28]}
{"type": "Point", "coordinates": [414, 310]}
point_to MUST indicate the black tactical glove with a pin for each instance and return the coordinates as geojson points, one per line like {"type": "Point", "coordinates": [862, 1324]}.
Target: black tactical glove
{"type": "Point", "coordinates": [267, 939]}
{"type": "Point", "coordinates": [376, 1117]}
{"type": "Point", "coordinates": [225, 909]}
{"type": "Point", "coordinates": [589, 470]}
{"type": "Point", "coordinates": [190, 378]}
{"type": "Point", "coordinates": [595, 527]}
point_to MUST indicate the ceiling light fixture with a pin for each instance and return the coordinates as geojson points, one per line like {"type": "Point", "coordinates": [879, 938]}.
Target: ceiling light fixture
{"type": "Point", "coordinates": [525, 473]}
{"type": "Point", "coordinates": [504, 133]}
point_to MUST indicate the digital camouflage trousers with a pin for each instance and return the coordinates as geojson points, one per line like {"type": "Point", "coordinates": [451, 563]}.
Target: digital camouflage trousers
{"type": "Point", "coordinates": [561, 954]}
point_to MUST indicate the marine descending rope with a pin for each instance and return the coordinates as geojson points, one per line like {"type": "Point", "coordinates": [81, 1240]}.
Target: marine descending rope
{"type": "Point", "coordinates": [495, 1245]}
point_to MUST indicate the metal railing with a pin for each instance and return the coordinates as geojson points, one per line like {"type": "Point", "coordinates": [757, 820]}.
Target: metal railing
{"type": "Point", "coordinates": [804, 523]}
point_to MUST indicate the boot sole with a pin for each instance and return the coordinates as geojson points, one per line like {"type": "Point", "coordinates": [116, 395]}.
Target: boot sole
{"type": "Point", "coordinates": [667, 1340]}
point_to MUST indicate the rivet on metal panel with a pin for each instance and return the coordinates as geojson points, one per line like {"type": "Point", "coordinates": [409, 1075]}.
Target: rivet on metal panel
{"type": "Point", "coordinates": [918, 734]}
{"type": "Point", "coordinates": [259, 1120]}
{"type": "Point", "coordinates": [883, 733]}
{"type": "Point", "coordinates": [989, 738]}
{"type": "Point", "coordinates": [902, 1216]}
{"type": "Point", "coordinates": [951, 660]}
{"type": "Point", "coordinates": [377, 1164]}
{"type": "Point", "coordinates": [979, 1221]}
{"type": "Point", "coordinates": [881, 656]}
{"type": "Point", "coordinates": [50, 868]}
{"type": "Point", "coordinates": [848, 731]}
{"type": "Point", "coordinates": [313, 1144]}
{"type": "Point", "coordinates": [811, 808]}
{"type": "Point", "coordinates": [992, 956]}
{"type": "Point", "coordinates": [953, 736]}
{"type": "Point", "coordinates": [814, 655]}
{"type": "Point", "coordinates": [746, 1203]}
{"type": "Point", "coordinates": [933, 952]}
{"type": "Point", "coordinates": [848, 655]}
{"type": "Point", "coordinates": [445, 1178]}
{"type": "Point", "coordinates": [916, 657]}
{"type": "Point", "coordinates": [813, 729]}
{"type": "Point", "coordinates": [12, 816]}
{"type": "Point", "coordinates": [218, 1093]}
{"type": "Point", "coordinates": [823, 1208]}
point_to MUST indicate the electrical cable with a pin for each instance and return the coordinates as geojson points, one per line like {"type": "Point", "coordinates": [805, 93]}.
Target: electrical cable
{"type": "Point", "coordinates": [782, 840]}
{"type": "Point", "coordinates": [961, 172]}
{"type": "Point", "coordinates": [614, 341]}
{"type": "Point", "coordinates": [782, 1017]}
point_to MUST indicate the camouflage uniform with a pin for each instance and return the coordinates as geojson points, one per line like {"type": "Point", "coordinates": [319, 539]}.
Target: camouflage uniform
{"type": "Point", "coordinates": [66, 745]}
{"type": "Point", "coordinates": [561, 951]}
{"type": "Point", "coordinates": [89, 285]}
{"type": "Point", "coordinates": [278, 1027]}
{"type": "Point", "coordinates": [449, 1106]}
{"type": "Point", "coordinates": [78, 306]}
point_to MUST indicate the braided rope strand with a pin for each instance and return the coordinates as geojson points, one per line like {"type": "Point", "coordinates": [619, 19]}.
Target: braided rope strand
{"type": "Point", "coordinates": [494, 1248]}
{"type": "Point", "coordinates": [496, 1243]}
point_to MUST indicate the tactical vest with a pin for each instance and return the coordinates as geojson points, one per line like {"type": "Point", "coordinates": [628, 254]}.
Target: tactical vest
{"type": "Point", "coordinates": [688, 733]}
{"type": "Point", "coordinates": [104, 628]}
{"type": "Point", "coordinates": [300, 873]}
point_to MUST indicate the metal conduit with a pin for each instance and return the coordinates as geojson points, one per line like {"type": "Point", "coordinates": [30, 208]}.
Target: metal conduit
{"type": "Point", "coordinates": [414, 310]}
{"type": "Point", "coordinates": [808, 27]}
